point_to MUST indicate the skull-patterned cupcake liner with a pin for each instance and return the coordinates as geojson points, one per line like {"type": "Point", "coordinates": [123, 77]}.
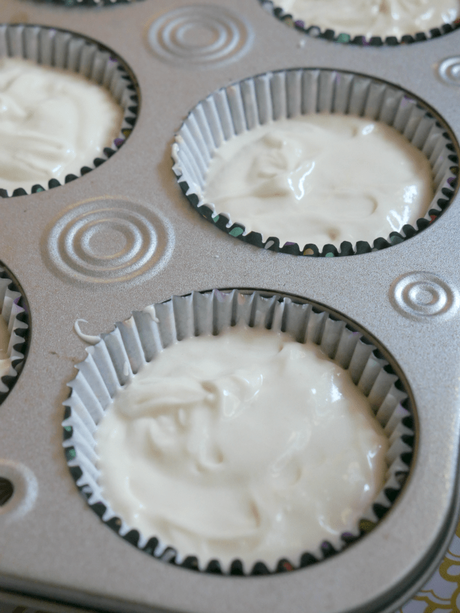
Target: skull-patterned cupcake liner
{"type": "Point", "coordinates": [116, 359]}
{"type": "Point", "coordinates": [343, 37]}
{"type": "Point", "coordinates": [74, 53]}
{"type": "Point", "coordinates": [286, 94]}
{"type": "Point", "coordinates": [86, 3]}
{"type": "Point", "coordinates": [14, 312]}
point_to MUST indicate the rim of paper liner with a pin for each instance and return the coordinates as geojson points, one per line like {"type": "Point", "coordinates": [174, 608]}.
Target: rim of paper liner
{"type": "Point", "coordinates": [344, 38]}
{"type": "Point", "coordinates": [63, 49]}
{"type": "Point", "coordinates": [291, 93]}
{"type": "Point", "coordinates": [121, 353]}
{"type": "Point", "coordinates": [13, 310]}
{"type": "Point", "coordinates": [86, 3]}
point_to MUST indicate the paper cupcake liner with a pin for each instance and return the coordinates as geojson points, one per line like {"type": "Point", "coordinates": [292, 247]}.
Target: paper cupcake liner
{"type": "Point", "coordinates": [362, 41]}
{"type": "Point", "coordinates": [71, 3]}
{"type": "Point", "coordinates": [290, 93]}
{"type": "Point", "coordinates": [69, 51]}
{"type": "Point", "coordinates": [121, 353]}
{"type": "Point", "coordinates": [13, 309]}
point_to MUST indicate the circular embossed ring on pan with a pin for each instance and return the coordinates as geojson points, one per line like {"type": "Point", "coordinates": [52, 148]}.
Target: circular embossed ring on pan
{"type": "Point", "coordinates": [109, 240]}
{"type": "Point", "coordinates": [202, 36]}
{"type": "Point", "coordinates": [423, 295]}
{"type": "Point", "coordinates": [449, 70]}
{"type": "Point", "coordinates": [24, 491]}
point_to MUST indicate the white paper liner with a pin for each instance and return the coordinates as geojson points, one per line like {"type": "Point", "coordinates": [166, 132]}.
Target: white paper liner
{"type": "Point", "coordinates": [344, 37]}
{"type": "Point", "coordinates": [290, 93]}
{"type": "Point", "coordinates": [69, 51]}
{"type": "Point", "coordinates": [86, 3]}
{"type": "Point", "coordinates": [121, 353]}
{"type": "Point", "coordinates": [16, 319]}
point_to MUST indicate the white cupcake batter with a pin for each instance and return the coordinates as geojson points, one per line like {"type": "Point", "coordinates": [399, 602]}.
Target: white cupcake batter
{"type": "Point", "coordinates": [245, 445]}
{"type": "Point", "coordinates": [52, 122]}
{"type": "Point", "coordinates": [320, 179]}
{"type": "Point", "coordinates": [373, 17]}
{"type": "Point", "coordinates": [5, 361]}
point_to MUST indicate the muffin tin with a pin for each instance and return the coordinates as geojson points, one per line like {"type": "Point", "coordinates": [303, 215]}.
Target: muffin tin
{"type": "Point", "coordinates": [123, 236]}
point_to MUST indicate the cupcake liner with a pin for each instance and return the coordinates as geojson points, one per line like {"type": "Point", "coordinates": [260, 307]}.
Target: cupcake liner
{"type": "Point", "coordinates": [93, 3]}
{"type": "Point", "coordinates": [344, 38]}
{"type": "Point", "coordinates": [121, 353]}
{"type": "Point", "coordinates": [290, 93]}
{"type": "Point", "coordinates": [72, 52]}
{"type": "Point", "coordinates": [13, 309]}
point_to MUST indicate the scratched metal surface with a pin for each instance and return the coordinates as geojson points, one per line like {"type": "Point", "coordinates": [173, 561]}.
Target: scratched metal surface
{"type": "Point", "coordinates": [52, 544]}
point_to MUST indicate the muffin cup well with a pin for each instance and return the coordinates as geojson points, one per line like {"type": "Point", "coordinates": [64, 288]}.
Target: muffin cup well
{"type": "Point", "coordinates": [121, 353]}
{"type": "Point", "coordinates": [13, 309]}
{"type": "Point", "coordinates": [291, 93]}
{"type": "Point", "coordinates": [362, 41]}
{"type": "Point", "coordinates": [72, 52]}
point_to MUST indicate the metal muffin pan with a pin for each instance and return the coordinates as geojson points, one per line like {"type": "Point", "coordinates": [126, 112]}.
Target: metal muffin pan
{"type": "Point", "coordinates": [53, 548]}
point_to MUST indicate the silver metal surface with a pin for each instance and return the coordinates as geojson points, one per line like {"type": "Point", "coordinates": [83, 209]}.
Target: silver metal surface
{"type": "Point", "coordinates": [80, 251]}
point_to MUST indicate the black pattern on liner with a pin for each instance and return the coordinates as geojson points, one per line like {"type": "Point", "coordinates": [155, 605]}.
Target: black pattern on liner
{"type": "Point", "coordinates": [344, 38]}
{"type": "Point", "coordinates": [19, 315]}
{"type": "Point", "coordinates": [211, 312]}
{"type": "Point", "coordinates": [76, 53]}
{"type": "Point", "coordinates": [86, 3]}
{"type": "Point", "coordinates": [299, 91]}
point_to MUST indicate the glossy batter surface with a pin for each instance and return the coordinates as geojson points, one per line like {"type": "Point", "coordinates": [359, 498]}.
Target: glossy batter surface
{"type": "Point", "coordinates": [52, 123]}
{"type": "Point", "coordinates": [373, 17]}
{"type": "Point", "coordinates": [320, 179]}
{"type": "Point", "coordinates": [247, 445]}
